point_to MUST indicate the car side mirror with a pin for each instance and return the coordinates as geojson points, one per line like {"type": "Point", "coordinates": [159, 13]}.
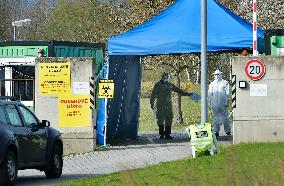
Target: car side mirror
{"type": "Point", "coordinates": [45, 123]}
{"type": "Point", "coordinates": [35, 127]}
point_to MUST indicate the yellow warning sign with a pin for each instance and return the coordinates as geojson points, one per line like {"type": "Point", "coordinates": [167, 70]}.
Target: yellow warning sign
{"type": "Point", "coordinates": [54, 79]}
{"type": "Point", "coordinates": [106, 88]}
{"type": "Point", "coordinates": [74, 110]}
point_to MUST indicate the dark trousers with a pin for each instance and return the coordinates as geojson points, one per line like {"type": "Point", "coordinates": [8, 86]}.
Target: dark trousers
{"type": "Point", "coordinates": [164, 122]}
{"type": "Point", "coordinates": [165, 130]}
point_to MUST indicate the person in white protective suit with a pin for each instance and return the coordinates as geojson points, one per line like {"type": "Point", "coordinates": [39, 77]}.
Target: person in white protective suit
{"type": "Point", "coordinates": [218, 101]}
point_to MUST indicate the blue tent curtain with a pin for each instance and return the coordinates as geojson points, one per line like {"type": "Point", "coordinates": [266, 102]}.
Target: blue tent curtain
{"type": "Point", "coordinates": [123, 109]}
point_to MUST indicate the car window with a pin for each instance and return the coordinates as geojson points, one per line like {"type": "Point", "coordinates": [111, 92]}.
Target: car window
{"type": "Point", "coordinates": [28, 116]}
{"type": "Point", "coordinates": [13, 115]}
{"type": "Point", "coordinates": [3, 118]}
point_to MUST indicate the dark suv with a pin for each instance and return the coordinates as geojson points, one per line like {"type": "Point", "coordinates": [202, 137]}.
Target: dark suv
{"type": "Point", "coordinates": [26, 143]}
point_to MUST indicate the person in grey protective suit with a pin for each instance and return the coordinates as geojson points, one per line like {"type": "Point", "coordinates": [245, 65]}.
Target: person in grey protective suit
{"type": "Point", "coordinates": [218, 93]}
{"type": "Point", "coordinates": [162, 92]}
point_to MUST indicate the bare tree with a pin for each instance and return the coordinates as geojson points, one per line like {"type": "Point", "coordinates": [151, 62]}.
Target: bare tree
{"type": "Point", "coordinates": [9, 11]}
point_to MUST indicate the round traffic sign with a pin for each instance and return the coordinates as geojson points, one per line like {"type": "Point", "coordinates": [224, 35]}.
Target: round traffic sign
{"type": "Point", "coordinates": [255, 69]}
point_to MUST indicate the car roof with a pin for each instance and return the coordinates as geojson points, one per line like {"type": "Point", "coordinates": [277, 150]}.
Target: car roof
{"type": "Point", "coordinates": [4, 100]}
{"type": "Point", "coordinates": [8, 102]}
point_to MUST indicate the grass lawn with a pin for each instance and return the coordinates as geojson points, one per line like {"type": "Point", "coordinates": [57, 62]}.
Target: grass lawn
{"type": "Point", "coordinates": [245, 164]}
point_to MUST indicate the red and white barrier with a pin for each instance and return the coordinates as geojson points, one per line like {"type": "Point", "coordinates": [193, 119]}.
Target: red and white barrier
{"type": "Point", "coordinates": [255, 52]}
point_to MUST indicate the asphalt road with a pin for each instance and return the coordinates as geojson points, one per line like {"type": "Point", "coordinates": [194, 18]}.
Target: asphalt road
{"type": "Point", "coordinates": [145, 151]}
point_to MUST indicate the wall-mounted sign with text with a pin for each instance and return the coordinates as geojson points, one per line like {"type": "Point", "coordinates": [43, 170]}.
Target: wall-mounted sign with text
{"type": "Point", "coordinates": [74, 111]}
{"type": "Point", "coordinates": [54, 79]}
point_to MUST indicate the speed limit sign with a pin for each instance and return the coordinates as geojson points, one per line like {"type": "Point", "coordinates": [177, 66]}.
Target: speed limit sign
{"type": "Point", "coordinates": [255, 69]}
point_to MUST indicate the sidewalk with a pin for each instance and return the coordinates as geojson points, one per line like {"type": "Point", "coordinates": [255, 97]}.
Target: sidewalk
{"type": "Point", "coordinates": [145, 151]}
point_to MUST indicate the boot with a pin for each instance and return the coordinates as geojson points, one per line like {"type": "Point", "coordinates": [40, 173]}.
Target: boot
{"type": "Point", "coordinates": [167, 136]}
{"type": "Point", "coordinates": [162, 136]}
{"type": "Point", "coordinates": [168, 131]}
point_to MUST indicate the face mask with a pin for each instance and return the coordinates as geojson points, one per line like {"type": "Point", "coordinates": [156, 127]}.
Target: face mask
{"type": "Point", "coordinates": [217, 77]}
{"type": "Point", "coordinates": [165, 79]}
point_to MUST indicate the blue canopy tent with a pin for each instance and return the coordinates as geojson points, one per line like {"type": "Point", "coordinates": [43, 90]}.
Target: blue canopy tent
{"type": "Point", "coordinates": [176, 30]}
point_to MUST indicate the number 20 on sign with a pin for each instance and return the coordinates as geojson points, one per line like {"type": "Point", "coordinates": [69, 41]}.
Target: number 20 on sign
{"type": "Point", "coordinates": [255, 69]}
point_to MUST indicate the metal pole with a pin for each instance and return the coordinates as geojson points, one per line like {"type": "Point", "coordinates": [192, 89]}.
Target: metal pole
{"type": "Point", "coordinates": [14, 34]}
{"type": "Point", "coordinates": [204, 110]}
{"type": "Point", "coordinates": [105, 125]}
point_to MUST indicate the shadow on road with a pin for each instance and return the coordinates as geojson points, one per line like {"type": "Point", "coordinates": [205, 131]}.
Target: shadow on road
{"type": "Point", "coordinates": [42, 180]}
{"type": "Point", "coordinates": [147, 138]}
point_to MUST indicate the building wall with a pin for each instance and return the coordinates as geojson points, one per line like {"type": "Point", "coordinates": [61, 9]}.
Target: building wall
{"type": "Point", "coordinates": [22, 51]}
{"type": "Point", "coordinates": [76, 139]}
{"type": "Point", "coordinates": [259, 118]}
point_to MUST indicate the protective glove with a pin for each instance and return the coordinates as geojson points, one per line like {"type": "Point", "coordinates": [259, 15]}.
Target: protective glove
{"type": "Point", "coordinates": [195, 97]}
{"type": "Point", "coordinates": [152, 105]}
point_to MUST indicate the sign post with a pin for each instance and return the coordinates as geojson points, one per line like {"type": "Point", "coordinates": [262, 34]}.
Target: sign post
{"type": "Point", "coordinates": [106, 89]}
